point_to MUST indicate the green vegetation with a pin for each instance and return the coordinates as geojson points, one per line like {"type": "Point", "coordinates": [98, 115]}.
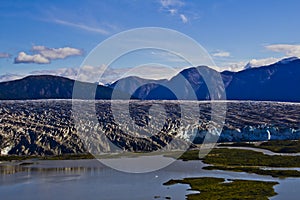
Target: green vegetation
{"type": "Point", "coordinates": [217, 189]}
{"type": "Point", "coordinates": [246, 161]}
{"type": "Point", "coordinates": [240, 157]}
{"type": "Point", "coordinates": [256, 170]}
{"type": "Point", "coordinates": [15, 157]}
{"type": "Point", "coordinates": [68, 157]}
{"type": "Point", "coordinates": [190, 155]}
{"type": "Point", "coordinates": [278, 146]}
{"type": "Point", "coordinates": [285, 146]}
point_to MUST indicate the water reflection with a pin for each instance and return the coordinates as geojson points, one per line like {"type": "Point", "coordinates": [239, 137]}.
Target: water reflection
{"type": "Point", "coordinates": [89, 179]}
{"type": "Point", "coordinates": [12, 169]}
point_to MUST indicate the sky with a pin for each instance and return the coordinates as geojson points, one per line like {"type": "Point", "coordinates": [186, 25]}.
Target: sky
{"type": "Point", "coordinates": [55, 37]}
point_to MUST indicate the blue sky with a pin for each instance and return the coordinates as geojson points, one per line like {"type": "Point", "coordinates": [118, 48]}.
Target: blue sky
{"type": "Point", "coordinates": [55, 35]}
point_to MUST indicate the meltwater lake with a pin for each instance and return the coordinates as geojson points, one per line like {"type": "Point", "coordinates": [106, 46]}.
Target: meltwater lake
{"type": "Point", "coordinates": [89, 179]}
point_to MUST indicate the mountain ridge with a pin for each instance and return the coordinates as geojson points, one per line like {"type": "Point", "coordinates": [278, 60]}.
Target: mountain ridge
{"type": "Point", "coordinates": [275, 82]}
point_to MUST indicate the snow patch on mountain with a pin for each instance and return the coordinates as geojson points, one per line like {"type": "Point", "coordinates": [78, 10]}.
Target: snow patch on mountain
{"type": "Point", "coordinates": [254, 63]}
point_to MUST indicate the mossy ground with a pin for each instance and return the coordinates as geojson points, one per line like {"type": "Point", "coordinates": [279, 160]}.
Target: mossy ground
{"type": "Point", "coordinates": [246, 161]}
{"type": "Point", "coordinates": [240, 157]}
{"type": "Point", "coordinates": [256, 170]}
{"type": "Point", "coordinates": [278, 146]}
{"type": "Point", "coordinates": [217, 189]}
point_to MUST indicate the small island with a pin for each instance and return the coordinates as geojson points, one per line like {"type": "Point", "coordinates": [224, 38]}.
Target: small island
{"type": "Point", "coordinates": [218, 188]}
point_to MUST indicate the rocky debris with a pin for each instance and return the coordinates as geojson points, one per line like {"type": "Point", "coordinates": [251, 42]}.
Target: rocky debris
{"type": "Point", "coordinates": [48, 127]}
{"type": "Point", "coordinates": [38, 128]}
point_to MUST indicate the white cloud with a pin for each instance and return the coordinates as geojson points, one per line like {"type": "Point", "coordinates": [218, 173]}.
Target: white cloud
{"type": "Point", "coordinates": [4, 55]}
{"type": "Point", "coordinates": [64, 72]}
{"type": "Point", "coordinates": [234, 66]}
{"type": "Point", "coordinates": [87, 73]}
{"type": "Point", "coordinates": [82, 26]}
{"type": "Point", "coordinates": [10, 77]}
{"type": "Point", "coordinates": [59, 53]}
{"type": "Point", "coordinates": [153, 71]}
{"type": "Point", "coordinates": [263, 62]}
{"type": "Point", "coordinates": [287, 49]}
{"type": "Point", "coordinates": [171, 3]}
{"type": "Point", "coordinates": [172, 11]}
{"type": "Point", "coordinates": [36, 58]}
{"type": "Point", "coordinates": [253, 63]}
{"type": "Point", "coordinates": [44, 55]}
{"type": "Point", "coordinates": [173, 7]}
{"type": "Point", "coordinates": [183, 18]}
{"type": "Point", "coordinates": [221, 54]}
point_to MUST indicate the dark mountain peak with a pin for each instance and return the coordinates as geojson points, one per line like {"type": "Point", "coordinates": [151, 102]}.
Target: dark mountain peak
{"type": "Point", "coordinates": [227, 72]}
{"type": "Point", "coordinates": [133, 79]}
{"type": "Point", "coordinates": [38, 78]}
{"type": "Point", "coordinates": [288, 60]}
{"type": "Point", "coordinates": [194, 74]}
{"type": "Point", "coordinates": [135, 86]}
{"type": "Point", "coordinates": [45, 78]}
{"type": "Point", "coordinates": [248, 66]}
{"type": "Point", "coordinates": [192, 70]}
{"type": "Point", "coordinates": [46, 87]}
{"type": "Point", "coordinates": [275, 82]}
{"type": "Point", "coordinates": [128, 78]}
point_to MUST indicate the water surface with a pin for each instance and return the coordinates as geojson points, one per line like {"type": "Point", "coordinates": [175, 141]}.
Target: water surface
{"type": "Point", "coordinates": [89, 179]}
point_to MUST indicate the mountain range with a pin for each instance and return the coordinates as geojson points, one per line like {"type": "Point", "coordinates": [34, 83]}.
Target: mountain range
{"type": "Point", "coordinates": [276, 82]}
{"type": "Point", "coordinates": [46, 87]}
